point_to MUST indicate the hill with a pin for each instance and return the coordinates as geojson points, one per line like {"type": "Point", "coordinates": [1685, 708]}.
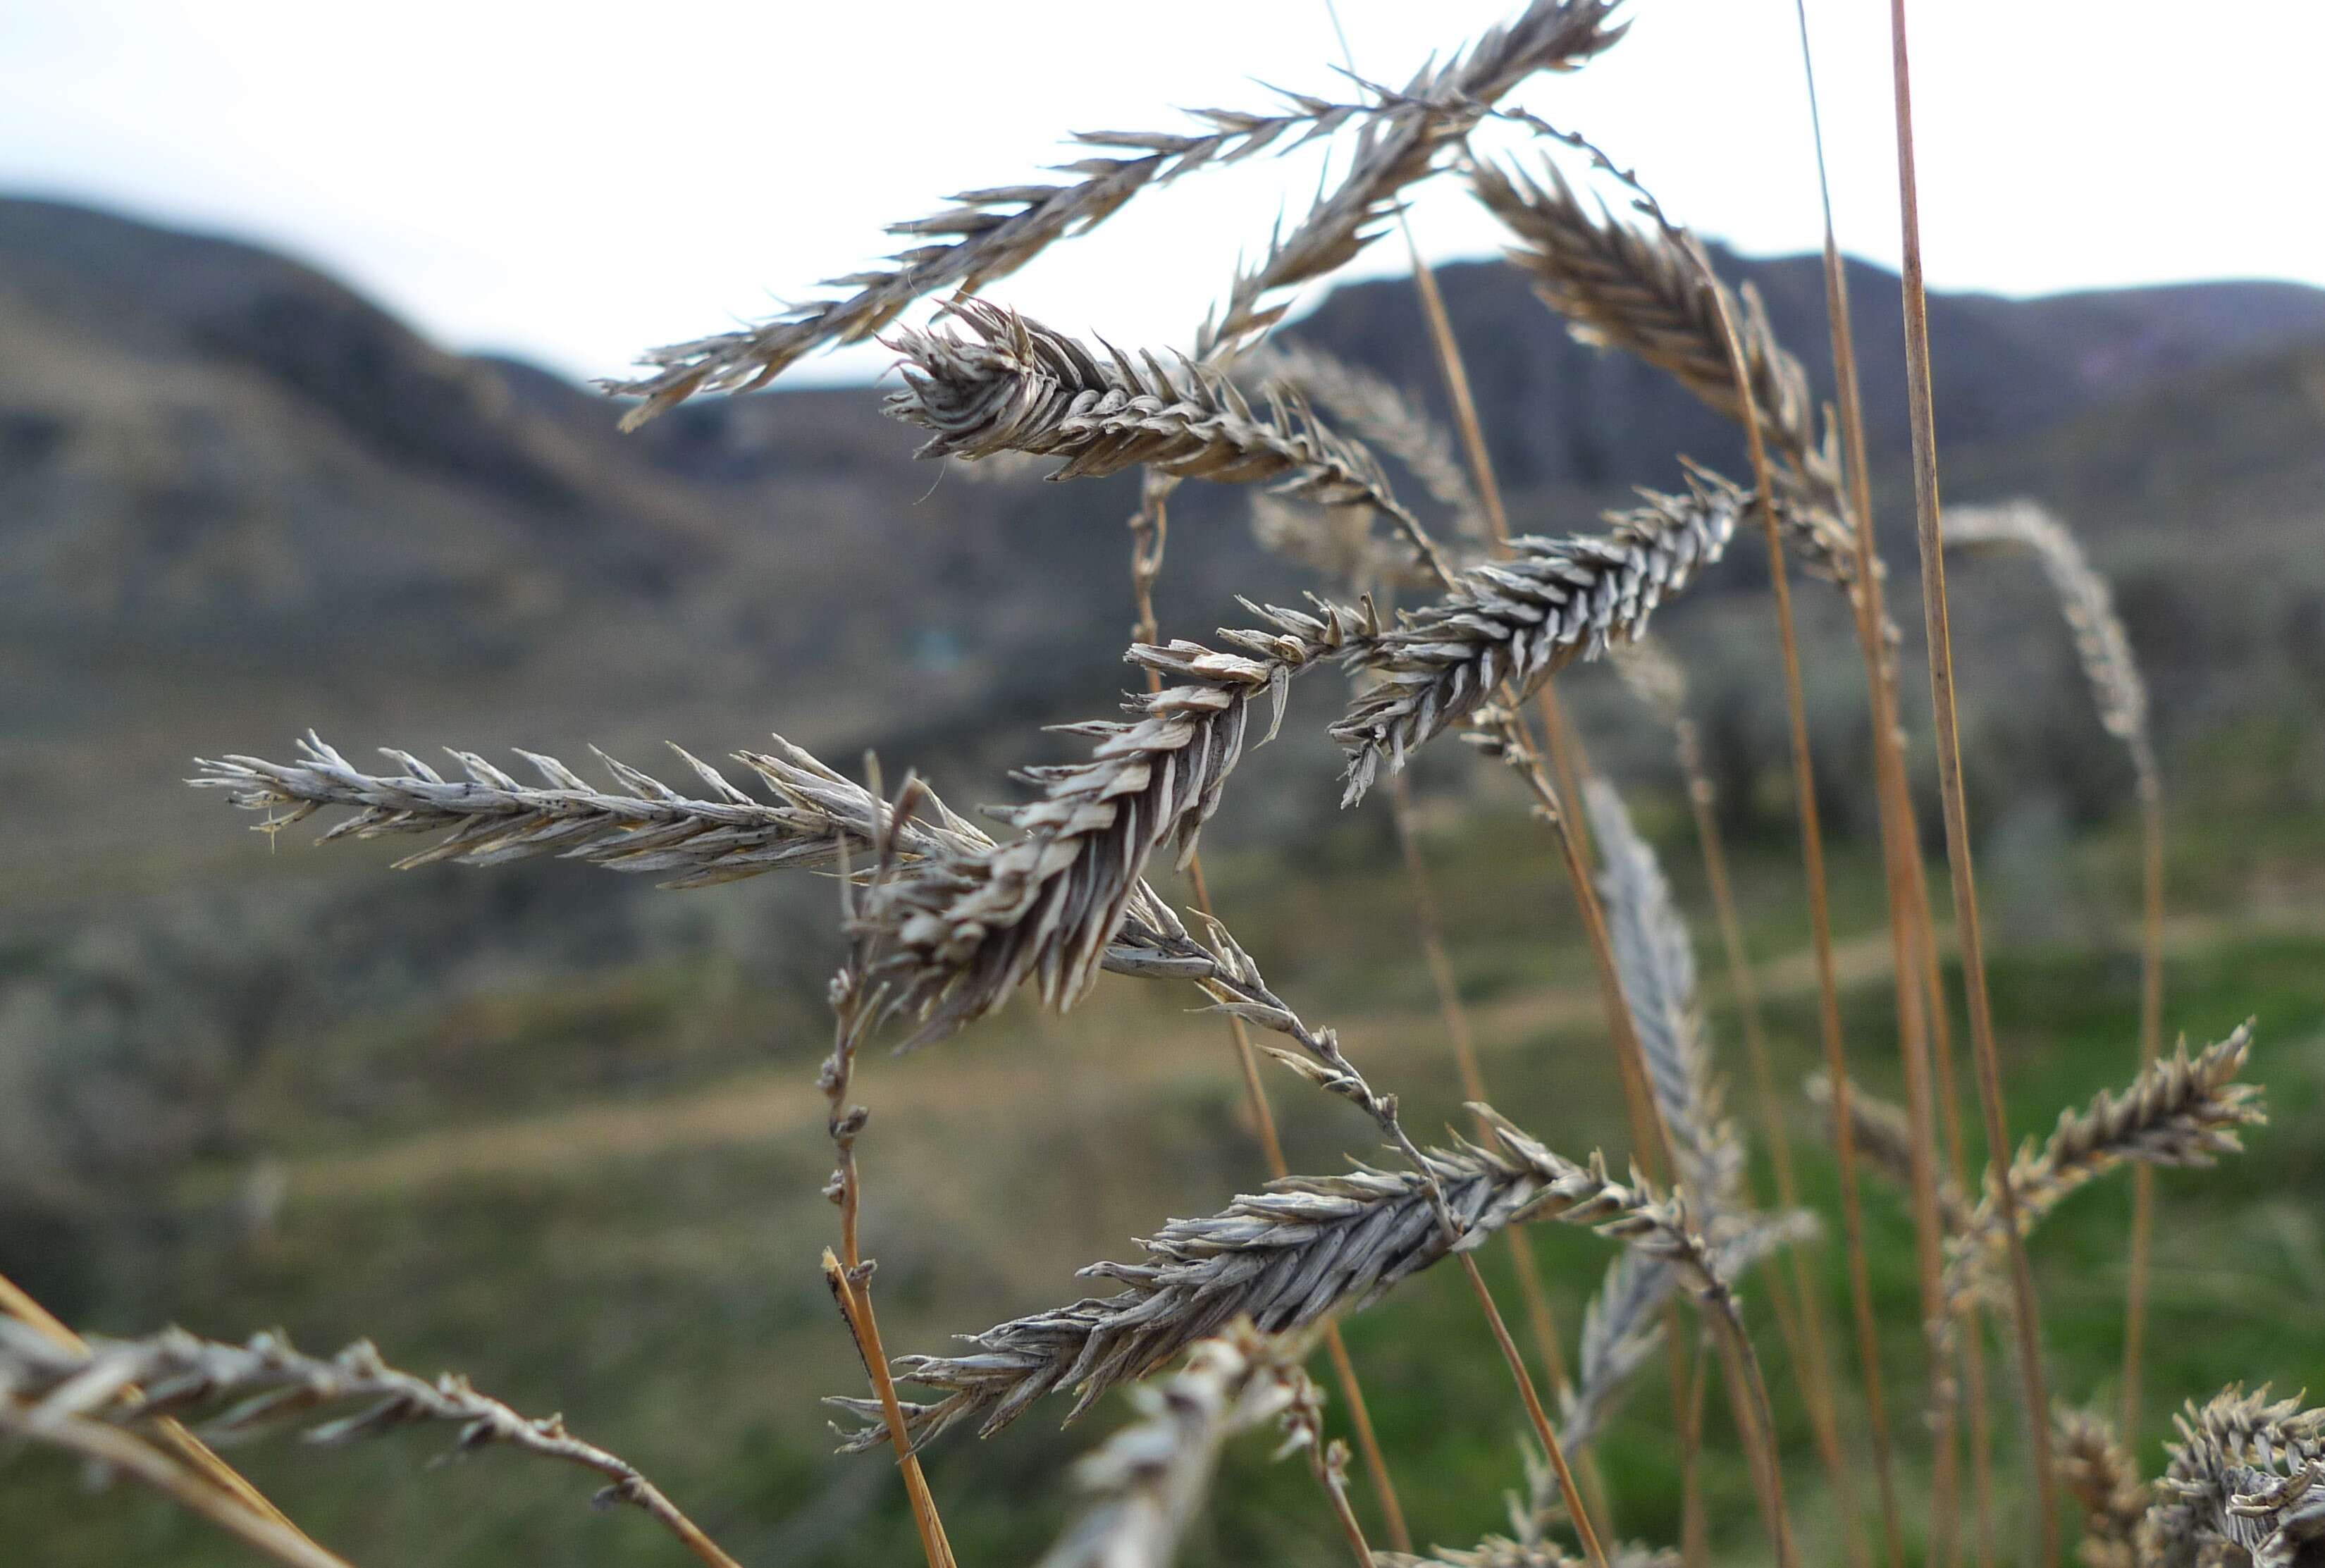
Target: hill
{"type": "Point", "coordinates": [237, 499]}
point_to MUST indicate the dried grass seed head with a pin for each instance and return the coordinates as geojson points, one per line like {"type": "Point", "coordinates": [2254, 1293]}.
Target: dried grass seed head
{"type": "Point", "coordinates": [1518, 621]}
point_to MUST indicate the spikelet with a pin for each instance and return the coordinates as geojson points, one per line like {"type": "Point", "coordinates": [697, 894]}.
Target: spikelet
{"type": "Point", "coordinates": [991, 233]}
{"type": "Point", "coordinates": [2087, 604]}
{"type": "Point", "coordinates": [266, 1385]}
{"type": "Point", "coordinates": [1885, 1141]}
{"type": "Point", "coordinates": [1009, 385]}
{"type": "Point", "coordinates": [2103, 1480]}
{"type": "Point", "coordinates": [1304, 1249]}
{"type": "Point", "coordinates": [1520, 620]}
{"type": "Point", "coordinates": [2180, 1111]}
{"type": "Point", "coordinates": [1655, 959]}
{"type": "Point", "coordinates": [489, 818]}
{"type": "Point", "coordinates": [957, 933]}
{"type": "Point", "coordinates": [2245, 1474]}
{"type": "Point", "coordinates": [1636, 288]}
{"type": "Point", "coordinates": [1376, 412]}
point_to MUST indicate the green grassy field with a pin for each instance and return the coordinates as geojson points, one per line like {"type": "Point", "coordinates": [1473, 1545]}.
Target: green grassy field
{"type": "Point", "coordinates": [644, 1257]}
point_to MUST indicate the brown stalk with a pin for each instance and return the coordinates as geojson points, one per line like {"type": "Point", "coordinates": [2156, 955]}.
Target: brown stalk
{"type": "Point", "coordinates": [1149, 530]}
{"type": "Point", "coordinates": [2150, 1045]}
{"type": "Point", "coordinates": [1820, 917]}
{"type": "Point", "coordinates": [1709, 356]}
{"type": "Point", "coordinates": [19, 1303]}
{"type": "Point", "coordinates": [1563, 753]}
{"type": "Point", "coordinates": [1531, 1293]}
{"type": "Point", "coordinates": [1330, 1465]}
{"type": "Point", "coordinates": [1803, 1323]}
{"type": "Point", "coordinates": [1545, 1433]}
{"type": "Point", "coordinates": [1911, 924]}
{"type": "Point", "coordinates": [1688, 1375]}
{"type": "Point", "coordinates": [850, 1280]}
{"type": "Point", "coordinates": [1651, 1136]}
{"type": "Point", "coordinates": [1449, 355]}
{"type": "Point", "coordinates": [1648, 1134]}
{"type": "Point", "coordinates": [1747, 1389]}
{"type": "Point", "coordinates": [1930, 535]}
{"type": "Point", "coordinates": [855, 1305]}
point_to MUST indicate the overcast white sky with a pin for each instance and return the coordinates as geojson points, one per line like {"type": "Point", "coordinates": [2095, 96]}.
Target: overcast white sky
{"type": "Point", "coordinates": [575, 181]}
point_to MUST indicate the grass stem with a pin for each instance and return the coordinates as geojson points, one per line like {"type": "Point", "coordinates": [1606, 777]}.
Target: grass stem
{"type": "Point", "coordinates": [1929, 532]}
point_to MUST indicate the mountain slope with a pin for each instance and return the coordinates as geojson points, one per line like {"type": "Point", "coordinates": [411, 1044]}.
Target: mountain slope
{"type": "Point", "coordinates": [237, 498]}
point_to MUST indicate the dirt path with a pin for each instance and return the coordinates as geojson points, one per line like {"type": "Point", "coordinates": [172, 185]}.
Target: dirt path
{"type": "Point", "coordinates": [1172, 1052]}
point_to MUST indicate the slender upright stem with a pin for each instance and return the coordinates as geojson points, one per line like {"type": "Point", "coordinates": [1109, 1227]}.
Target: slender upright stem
{"type": "Point", "coordinates": [1566, 762]}
{"type": "Point", "coordinates": [1545, 1433]}
{"type": "Point", "coordinates": [1535, 1299]}
{"type": "Point", "coordinates": [1149, 530]}
{"type": "Point", "coordinates": [1687, 1374]}
{"type": "Point", "coordinates": [848, 1275]}
{"type": "Point", "coordinates": [847, 1283]}
{"type": "Point", "coordinates": [1929, 532]}
{"type": "Point", "coordinates": [1909, 925]}
{"type": "Point", "coordinates": [1332, 1474]}
{"type": "Point", "coordinates": [1814, 1355]}
{"type": "Point", "coordinates": [1573, 834]}
{"type": "Point", "coordinates": [2151, 1044]}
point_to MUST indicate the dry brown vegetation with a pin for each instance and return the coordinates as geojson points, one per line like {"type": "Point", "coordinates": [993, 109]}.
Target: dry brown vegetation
{"type": "Point", "coordinates": [1209, 1328]}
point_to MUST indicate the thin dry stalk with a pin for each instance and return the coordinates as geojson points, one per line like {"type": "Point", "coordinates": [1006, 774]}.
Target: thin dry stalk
{"type": "Point", "coordinates": [1912, 927]}
{"type": "Point", "coordinates": [1564, 750]}
{"type": "Point", "coordinates": [2150, 1042]}
{"type": "Point", "coordinates": [1517, 622]}
{"type": "Point", "coordinates": [857, 1006]}
{"type": "Point", "coordinates": [1930, 533]}
{"type": "Point", "coordinates": [1761, 1442]}
{"type": "Point", "coordinates": [1544, 1433]}
{"type": "Point", "coordinates": [849, 1292]}
{"type": "Point", "coordinates": [1653, 294]}
{"type": "Point", "coordinates": [1149, 530]}
{"type": "Point", "coordinates": [1884, 1140]}
{"type": "Point", "coordinates": [1658, 681]}
{"type": "Point", "coordinates": [1501, 736]}
{"type": "Point", "coordinates": [266, 1384]}
{"type": "Point", "coordinates": [1344, 1370]}
{"type": "Point", "coordinates": [1534, 1297]}
{"type": "Point", "coordinates": [1624, 1321]}
{"type": "Point", "coordinates": [1501, 1552]}
{"type": "Point", "coordinates": [1566, 759]}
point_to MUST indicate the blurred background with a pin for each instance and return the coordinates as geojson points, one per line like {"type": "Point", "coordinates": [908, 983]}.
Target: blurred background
{"type": "Point", "coordinates": [298, 307]}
